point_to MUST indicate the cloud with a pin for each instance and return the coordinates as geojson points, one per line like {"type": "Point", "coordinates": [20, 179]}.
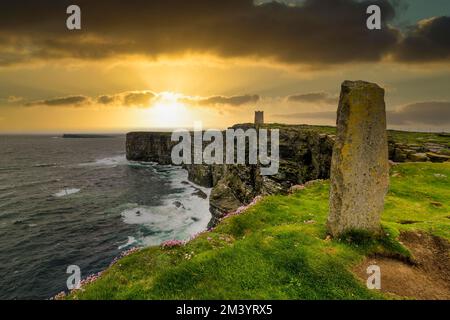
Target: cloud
{"type": "Point", "coordinates": [14, 99]}
{"type": "Point", "coordinates": [140, 99]}
{"type": "Point", "coordinates": [124, 99]}
{"type": "Point", "coordinates": [319, 97]}
{"type": "Point", "coordinates": [311, 32]}
{"type": "Point", "coordinates": [433, 113]}
{"type": "Point", "coordinates": [62, 101]}
{"type": "Point", "coordinates": [11, 100]}
{"type": "Point", "coordinates": [143, 98]}
{"type": "Point", "coordinates": [428, 113]}
{"type": "Point", "coordinates": [222, 100]}
{"type": "Point", "coordinates": [429, 40]}
{"type": "Point", "coordinates": [128, 99]}
{"type": "Point", "coordinates": [107, 99]}
{"type": "Point", "coordinates": [308, 115]}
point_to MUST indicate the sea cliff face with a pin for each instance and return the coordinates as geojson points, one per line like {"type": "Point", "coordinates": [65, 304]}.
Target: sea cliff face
{"type": "Point", "coordinates": [149, 147]}
{"type": "Point", "coordinates": [305, 155]}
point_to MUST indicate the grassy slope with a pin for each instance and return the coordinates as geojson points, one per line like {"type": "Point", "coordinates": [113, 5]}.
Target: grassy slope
{"type": "Point", "coordinates": [269, 252]}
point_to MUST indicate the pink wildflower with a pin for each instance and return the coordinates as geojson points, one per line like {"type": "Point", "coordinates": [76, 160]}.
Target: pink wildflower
{"type": "Point", "coordinates": [172, 243]}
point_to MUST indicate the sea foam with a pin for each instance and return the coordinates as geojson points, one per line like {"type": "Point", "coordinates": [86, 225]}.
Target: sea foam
{"type": "Point", "coordinates": [181, 214]}
{"type": "Point", "coordinates": [66, 192]}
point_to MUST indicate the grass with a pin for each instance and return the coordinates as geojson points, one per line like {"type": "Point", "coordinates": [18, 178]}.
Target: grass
{"type": "Point", "coordinates": [278, 249]}
{"type": "Point", "coordinates": [408, 137]}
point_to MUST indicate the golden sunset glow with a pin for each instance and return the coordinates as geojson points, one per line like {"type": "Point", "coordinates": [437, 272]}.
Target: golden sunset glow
{"type": "Point", "coordinates": [167, 111]}
{"type": "Point", "coordinates": [136, 74]}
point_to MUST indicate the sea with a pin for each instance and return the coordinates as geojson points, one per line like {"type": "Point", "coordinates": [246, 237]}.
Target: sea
{"type": "Point", "coordinates": [79, 201]}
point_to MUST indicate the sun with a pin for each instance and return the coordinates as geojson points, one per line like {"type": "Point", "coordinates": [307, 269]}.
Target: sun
{"type": "Point", "coordinates": [168, 111]}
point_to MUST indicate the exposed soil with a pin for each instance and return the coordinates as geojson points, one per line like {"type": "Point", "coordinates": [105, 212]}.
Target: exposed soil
{"type": "Point", "coordinates": [427, 278]}
{"type": "Point", "coordinates": [408, 221]}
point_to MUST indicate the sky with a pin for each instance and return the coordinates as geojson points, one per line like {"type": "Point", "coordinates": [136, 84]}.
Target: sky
{"type": "Point", "coordinates": [143, 65]}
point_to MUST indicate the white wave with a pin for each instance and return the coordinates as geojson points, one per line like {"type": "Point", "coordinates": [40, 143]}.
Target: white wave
{"type": "Point", "coordinates": [110, 162]}
{"type": "Point", "coordinates": [180, 215]}
{"type": "Point", "coordinates": [65, 192]}
{"type": "Point", "coordinates": [131, 240]}
{"type": "Point", "coordinates": [44, 165]}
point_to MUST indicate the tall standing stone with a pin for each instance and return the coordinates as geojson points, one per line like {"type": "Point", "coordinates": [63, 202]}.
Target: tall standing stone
{"type": "Point", "coordinates": [359, 167]}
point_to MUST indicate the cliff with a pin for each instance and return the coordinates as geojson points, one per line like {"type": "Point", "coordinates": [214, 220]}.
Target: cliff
{"type": "Point", "coordinates": [305, 155]}
{"type": "Point", "coordinates": [149, 147]}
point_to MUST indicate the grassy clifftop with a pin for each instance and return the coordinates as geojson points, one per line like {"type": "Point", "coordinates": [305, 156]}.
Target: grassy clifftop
{"type": "Point", "coordinates": [278, 248]}
{"type": "Point", "coordinates": [406, 137]}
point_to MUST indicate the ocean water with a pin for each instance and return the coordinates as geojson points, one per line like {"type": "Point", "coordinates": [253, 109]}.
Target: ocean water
{"type": "Point", "coordinates": [80, 202]}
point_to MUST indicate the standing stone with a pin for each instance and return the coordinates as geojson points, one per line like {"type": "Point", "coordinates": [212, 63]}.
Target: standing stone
{"type": "Point", "coordinates": [359, 166]}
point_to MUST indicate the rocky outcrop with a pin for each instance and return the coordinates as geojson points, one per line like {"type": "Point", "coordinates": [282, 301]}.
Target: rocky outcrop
{"type": "Point", "coordinates": [415, 152]}
{"type": "Point", "coordinates": [149, 146]}
{"type": "Point", "coordinates": [359, 168]}
{"type": "Point", "coordinates": [305, 154]}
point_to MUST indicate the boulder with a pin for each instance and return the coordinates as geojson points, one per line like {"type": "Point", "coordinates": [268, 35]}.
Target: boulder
{"type": "Point", "coordinates": [435, 157]}
{"type": "Point", "coordinates": [418, 157]}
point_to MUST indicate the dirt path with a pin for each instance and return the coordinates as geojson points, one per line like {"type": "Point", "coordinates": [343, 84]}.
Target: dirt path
{"type": "Point", "coordinates": [428, 278]}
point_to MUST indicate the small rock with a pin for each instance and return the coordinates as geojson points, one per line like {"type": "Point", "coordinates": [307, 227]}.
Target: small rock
{"type": "Point", "coordinates": [199, 193]}
{"type": "Point", "coordinates": [418, 157]}
{"type": "Point", "coordinates": [296, 187]}
{"type": "Point", "coordinates": [392, 163]}
{"type": "Point", "coordinates": [178, 204]}
{"type": "Point", "coordinates": [434, 157]}
{"type": "Point", "coordinates": [312, 182]}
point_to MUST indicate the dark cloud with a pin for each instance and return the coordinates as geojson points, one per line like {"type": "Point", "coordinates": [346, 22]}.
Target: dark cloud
{"type": "Point", "coordinates": [429, 40]}
{"type": "Point", "coordinates": [429, 113]}
{"type": "Point", "coordinates": [63, 101]}
{"type": "Point", "coordinates": [314, 32]}
{"type": "Point", "coordinates": [139, 99]}
{"type": "Point", "coordinates": [222, 100]}
{"type": "Point", "coordinates": [319, 97]}
{"type": "Point", "coordinates": [423, 113]}
{"type": "Point", "coordinates": [128, 99]}
{"type": "Point", "coordinates": [125, 99]}
{"type": "Point", "coordinates": [106, 99]}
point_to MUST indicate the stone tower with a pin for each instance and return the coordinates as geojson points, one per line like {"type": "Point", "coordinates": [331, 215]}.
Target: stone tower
{"type": "Point", "coordinates": [259, 117]}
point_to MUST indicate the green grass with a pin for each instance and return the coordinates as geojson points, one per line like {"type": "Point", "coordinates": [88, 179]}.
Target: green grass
{"type": "Point", "coordinates": [419, 195]}
{"type": "Point", "coordinates": [408, 137]}
{"type": "Point", "coordinates": [269, 252]}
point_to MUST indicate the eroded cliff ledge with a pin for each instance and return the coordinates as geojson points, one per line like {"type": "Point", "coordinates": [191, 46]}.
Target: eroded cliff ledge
{"type": "Point", "coordinates": [305, 154]}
